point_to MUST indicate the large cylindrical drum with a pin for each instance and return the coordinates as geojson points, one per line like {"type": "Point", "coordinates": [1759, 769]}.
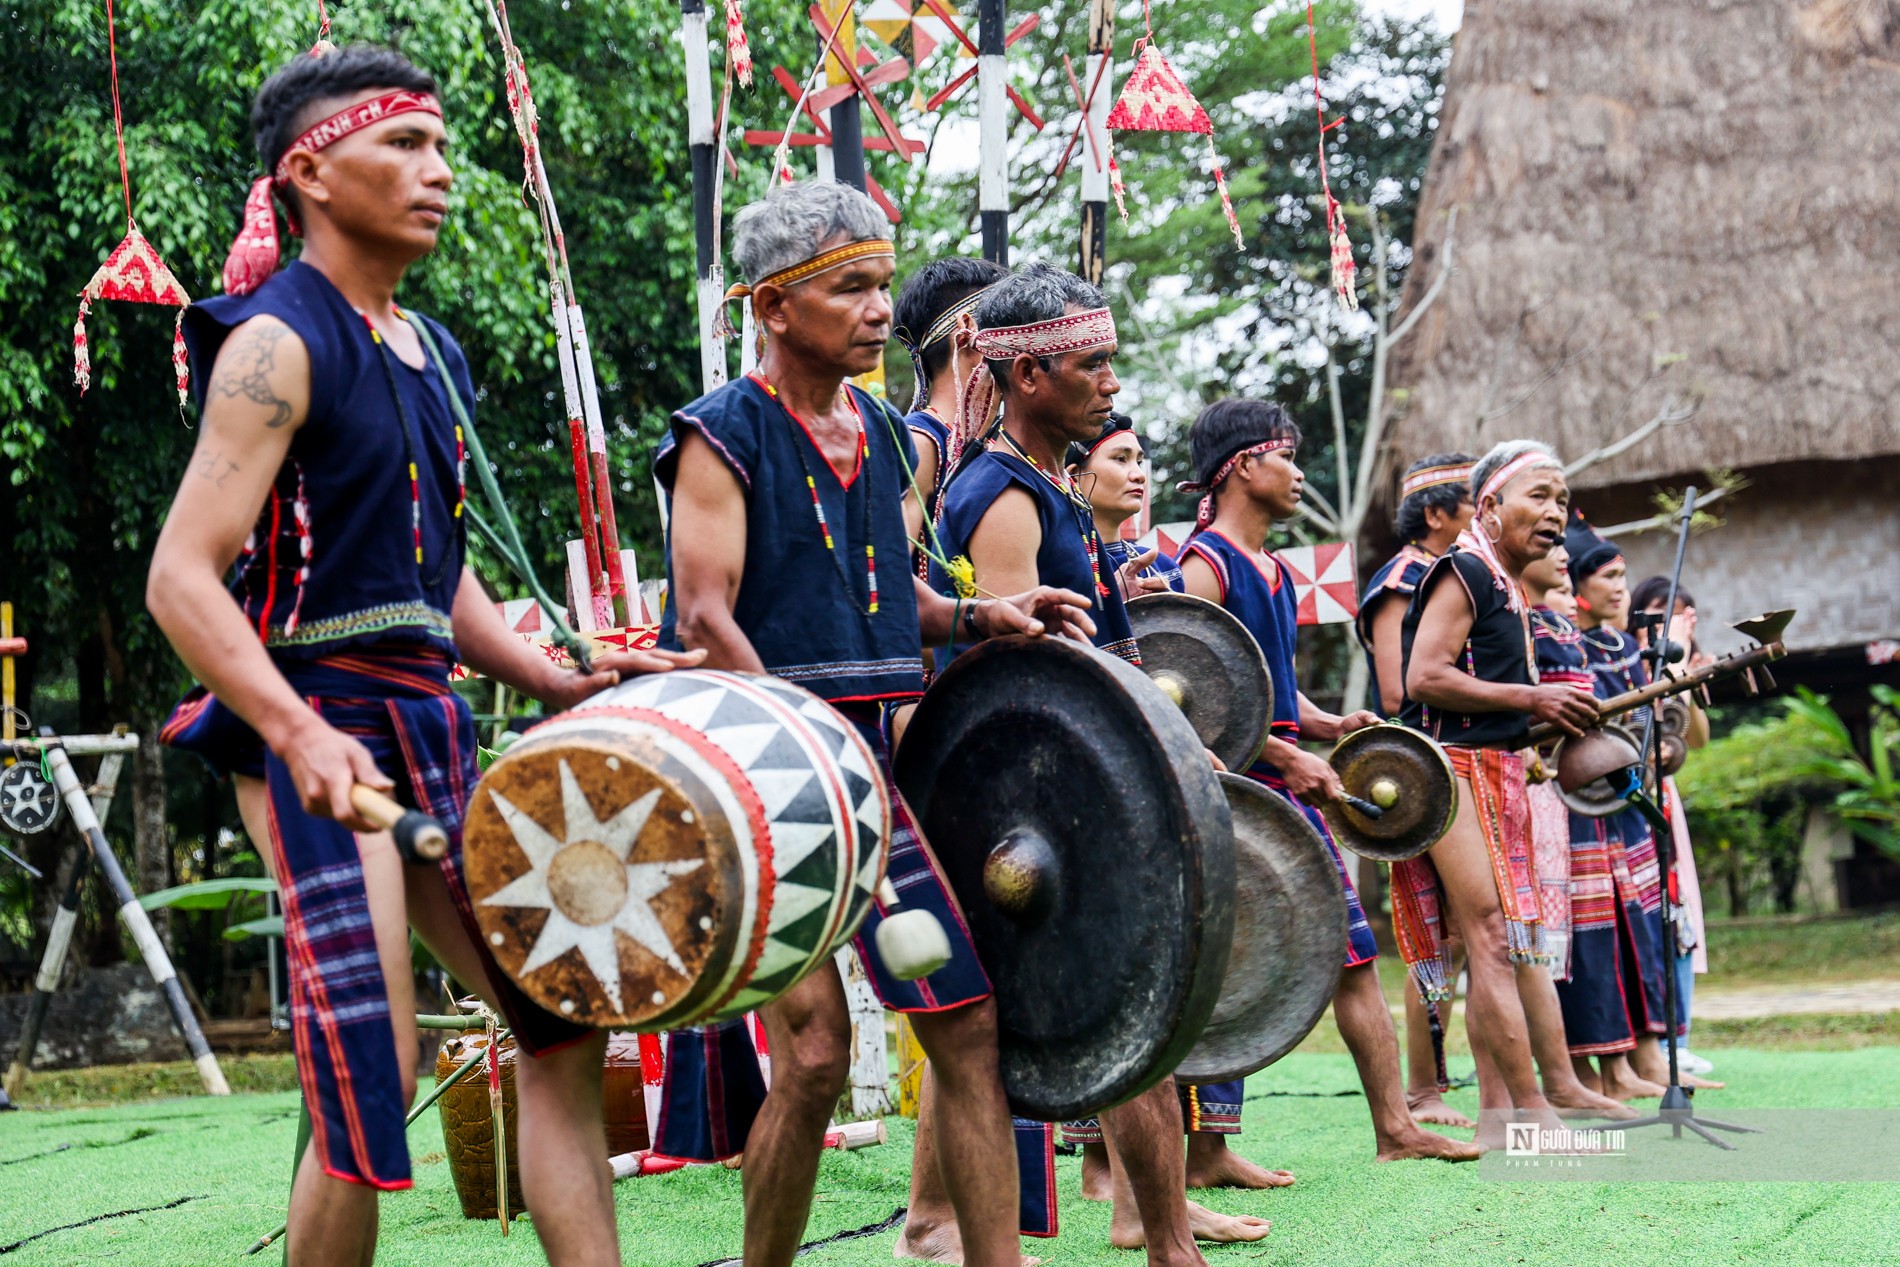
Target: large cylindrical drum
{"type": "Point", "coordinates": [679, 849]}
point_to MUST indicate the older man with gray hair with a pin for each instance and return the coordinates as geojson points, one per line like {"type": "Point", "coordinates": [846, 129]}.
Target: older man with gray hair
{"type": "Point", "coordinates": [789, 554]}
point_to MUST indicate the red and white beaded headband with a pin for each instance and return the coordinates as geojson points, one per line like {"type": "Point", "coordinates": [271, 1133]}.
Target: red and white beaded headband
{"type": "Point", "coordinates": [253, 256]}
{"type": "Point", "coordinates": [1091, 329]}
{"type": "Point", "coordinates": [1514, 468]}
{"type": "Point", "coordinates": [1073, 333]}
{"type": "Point", "coordinates": [1435, 477]}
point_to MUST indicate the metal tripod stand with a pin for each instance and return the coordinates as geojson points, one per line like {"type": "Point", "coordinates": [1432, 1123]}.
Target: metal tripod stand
{"type": "Point", "coordinates": [1677, 1110]}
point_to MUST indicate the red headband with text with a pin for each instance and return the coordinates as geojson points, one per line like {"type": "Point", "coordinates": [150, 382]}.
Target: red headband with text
{"type": "Point", "coordinates": [254, 254]}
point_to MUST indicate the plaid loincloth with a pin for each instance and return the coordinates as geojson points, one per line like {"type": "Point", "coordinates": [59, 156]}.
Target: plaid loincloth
{"type": "Point", "coordinates": [397, 701]}
{"type": "Point", "coordinates": [1496, 777]}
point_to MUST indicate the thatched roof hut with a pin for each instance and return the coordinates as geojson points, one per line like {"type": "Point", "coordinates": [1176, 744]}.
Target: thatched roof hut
{"type": "Point", "coordinates": [1664, 202]}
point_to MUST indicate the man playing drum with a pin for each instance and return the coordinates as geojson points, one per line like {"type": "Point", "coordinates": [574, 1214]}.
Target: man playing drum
{"type": "Point", "coordinates": [1244, 469]}
{"type": "Point", "coordinates": [1470, 684]}
{"type": "Point", "coordinates": [789, 550]}
{"type": "Point", "coordinates": [1013, 517]}
{"type": "Point", "coordinates": [332, 433]}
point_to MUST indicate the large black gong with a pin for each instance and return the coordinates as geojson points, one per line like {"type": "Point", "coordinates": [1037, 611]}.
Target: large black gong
{"type": "Point", "coordinates": [1089, 843]}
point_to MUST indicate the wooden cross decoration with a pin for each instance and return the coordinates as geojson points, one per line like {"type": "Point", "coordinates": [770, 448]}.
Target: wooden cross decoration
{"type": "Point", "coordinates": [949, 90]}
{"type": "Point", "coordinates": [907, 146]}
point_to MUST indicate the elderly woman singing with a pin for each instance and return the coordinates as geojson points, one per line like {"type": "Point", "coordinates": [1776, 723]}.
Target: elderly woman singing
{"type": "Point", "coordinates": [1470, 683]}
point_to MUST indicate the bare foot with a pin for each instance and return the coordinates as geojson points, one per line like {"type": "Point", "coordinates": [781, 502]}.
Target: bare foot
{"type": "Point", "coordinates": [1626, 1085]}
{"type": "Point", "coordinates": [939, 1244]}
{"type": "Point", "coordinates": [1214, 1165]}
{"type": "Point", "coordinates": [1098, 1180]}
{"type": "Point", "coordinates": [1426, 1146]}
{"type": "Point", "coordinates": [1430, 1108]}
{"type": "Point", "coordinates": [1700, 1083]}
{"type": "Point", "coordinates": [1578, 1101]}
{"type": "Point", "coordinates": [1125, 1230]}
{"type": "Point", "coordinates": [1586, 1073]}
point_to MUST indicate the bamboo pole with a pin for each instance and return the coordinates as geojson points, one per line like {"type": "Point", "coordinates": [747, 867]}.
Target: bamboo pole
{"type": "Point", "coordinates": [136, 921]}
{"type": "Point", "coordinates": [703, 146]}
{"type": "Point", "coordinates": [1099, 75]}
{"type": "Point", "coordinates": [992, 104]}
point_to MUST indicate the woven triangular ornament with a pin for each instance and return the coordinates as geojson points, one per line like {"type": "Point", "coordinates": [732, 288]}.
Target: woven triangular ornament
{"type": "Point", "coordinates": [1154, 99]}
{"type": "Point", "coordinates": [133, 273]}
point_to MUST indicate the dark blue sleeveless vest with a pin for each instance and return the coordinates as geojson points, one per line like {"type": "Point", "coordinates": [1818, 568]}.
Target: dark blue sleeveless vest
{"type": "Point", "coordinates": [342, 503]}
{"type": "Point", "coordinates": [793, 603]}
{"type": "Point", "coordinates": [1258, 589]}
{"type": "Point", "coordinates": [928, 425]}
{"type": "Point", "coordinates": [1062, 560]}
{"type": "Point", "coordinates": [1399, 575]}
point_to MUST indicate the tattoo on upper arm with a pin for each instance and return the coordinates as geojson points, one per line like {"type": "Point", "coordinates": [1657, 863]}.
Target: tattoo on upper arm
{"type": "Point", "coordinates": [214, 467]}
{"type": "Point", "coordinates": [246, 371]}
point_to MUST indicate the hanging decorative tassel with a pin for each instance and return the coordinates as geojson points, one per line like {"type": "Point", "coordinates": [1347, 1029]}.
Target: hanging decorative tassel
{"type": "Point", "coordinates": [82, 357]}
{"type": "Point", "coordinates": [738, 52]}
{"type": "Point", "coordinates": [1220, 185]}
{"type": "Point", "coordinates": [181, 360]}
{"type": "Point", "coordinates": [132, 273]}
{"type": "Point", "coordinates": [1340, 245]}
{"type": "Point", "coordinates": [1154, 98]}
{"type": "Point", "coordinates": [323, 44]}
{"type": "Point", "coordinates": [1344, 270]}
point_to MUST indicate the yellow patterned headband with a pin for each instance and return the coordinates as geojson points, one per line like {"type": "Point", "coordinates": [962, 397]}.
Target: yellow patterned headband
{"type": "Point", "coordinates": [823, 262]}
{"type": "Point", "coordinates": [1434, 476]}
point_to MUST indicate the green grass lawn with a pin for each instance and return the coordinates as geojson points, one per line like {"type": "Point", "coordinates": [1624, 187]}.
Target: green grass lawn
{"type": "Point", "coordinates": [1802, 951]}
{"type": "Point", "coordinates": [226, 1164]}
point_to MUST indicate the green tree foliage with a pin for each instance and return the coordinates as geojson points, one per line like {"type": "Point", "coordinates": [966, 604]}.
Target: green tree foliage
{"type": "Point", "coordinates": [1748, 795]}
{"type": "Point", "coordinates": [1868, 802]}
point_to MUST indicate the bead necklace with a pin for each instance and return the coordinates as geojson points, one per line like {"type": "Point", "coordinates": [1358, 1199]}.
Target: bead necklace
{"type": "Point", "coordinates": [409, 452]}
{"type": "Point", "coordinates": [818, 505]}
{"type": "Point", "coordinates": [1084, 513]}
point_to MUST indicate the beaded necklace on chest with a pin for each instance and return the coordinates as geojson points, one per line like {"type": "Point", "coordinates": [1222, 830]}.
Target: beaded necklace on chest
{"type": "Point", "coordinates": [409, 450]}
{"type": "Point", "coordinates": [818, 505]}
{"type": "Point", "coordinates": [1078, 504]}
{"type": "Point", "coordinates": [1616, 648]}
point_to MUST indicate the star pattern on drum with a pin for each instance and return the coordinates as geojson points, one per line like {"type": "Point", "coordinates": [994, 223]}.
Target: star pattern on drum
{"type": "Point", "coordinates": [585, 904]}
{"type": "Point", "coordinates": [777, 734]}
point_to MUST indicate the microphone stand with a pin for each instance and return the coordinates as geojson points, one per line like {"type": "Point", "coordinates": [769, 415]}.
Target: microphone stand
{"type": "Point", "coordinates": [1644, 791]}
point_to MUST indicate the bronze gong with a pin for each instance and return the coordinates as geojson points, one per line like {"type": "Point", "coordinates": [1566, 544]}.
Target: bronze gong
{"type": "Point", "coordinates": [1289, 938]}
{"type": "Point", "coordinates": [1585, 766]}
{"type": "Point", "coordinates": [1402, 774]}
{"type": "Point", "coordinates": [1203, 659]}
{"type": "Point", "coordinates": [1089, 845]}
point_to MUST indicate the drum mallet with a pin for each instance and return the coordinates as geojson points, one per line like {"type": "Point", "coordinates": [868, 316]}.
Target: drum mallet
{"type": "Point", "coordinates": [420, 837]}
{"type": "Point", "coordinates": [911, 943]}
